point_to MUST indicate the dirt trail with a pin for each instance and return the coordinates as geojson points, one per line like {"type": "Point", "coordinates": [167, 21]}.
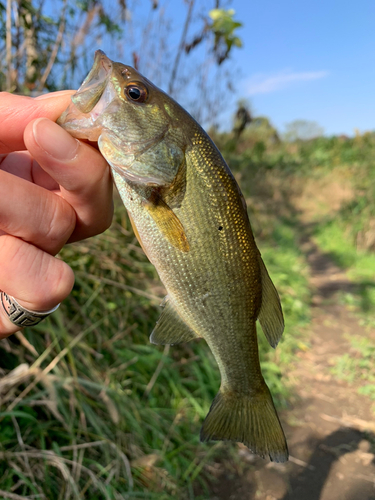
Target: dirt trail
{"type": "Point", "coordinates": [330, 428]}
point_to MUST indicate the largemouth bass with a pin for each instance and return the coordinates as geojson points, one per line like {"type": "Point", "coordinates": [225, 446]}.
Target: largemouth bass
{"type": "Point", "coordinates": [191, 220]}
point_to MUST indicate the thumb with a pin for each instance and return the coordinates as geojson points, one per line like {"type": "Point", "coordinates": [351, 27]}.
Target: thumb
{"type": "Point", "coordinates": [17, 111]}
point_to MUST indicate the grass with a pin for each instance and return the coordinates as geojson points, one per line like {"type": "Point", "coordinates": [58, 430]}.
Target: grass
{"type": "Point", "coordinates": [334, 238]}
{"type": "Point", "coordinates": [288, 269]}
{"type": "Point", "coordinates": [89, 409]}
{"type": "Point", "coordinates": [99, 412]}
{"type": "Point", "coordinates": [347, 235]}
{"type": "Point", "coordinates": [357, 366]}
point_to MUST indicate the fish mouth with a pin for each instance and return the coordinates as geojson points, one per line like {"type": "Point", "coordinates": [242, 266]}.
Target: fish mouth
{"type": "Point", "coordinates": [92, 88]}
{"type": "Point", "coordinates": [95, 94]}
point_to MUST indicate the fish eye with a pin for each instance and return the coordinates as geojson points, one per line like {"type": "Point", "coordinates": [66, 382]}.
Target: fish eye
{"type": "Point", "coordinates": [137, 92]}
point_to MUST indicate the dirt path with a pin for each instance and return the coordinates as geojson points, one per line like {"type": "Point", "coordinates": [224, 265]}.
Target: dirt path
{"type": "Point", "coordinates": [330, 428]}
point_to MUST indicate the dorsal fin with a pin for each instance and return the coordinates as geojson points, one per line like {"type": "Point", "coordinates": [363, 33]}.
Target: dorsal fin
{"type": "Point", "coordinates": [270, 314]}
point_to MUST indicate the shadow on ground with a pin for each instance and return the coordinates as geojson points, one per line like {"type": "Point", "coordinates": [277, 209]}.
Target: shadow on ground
{"type": "Point", "coordinates": [310, 482]}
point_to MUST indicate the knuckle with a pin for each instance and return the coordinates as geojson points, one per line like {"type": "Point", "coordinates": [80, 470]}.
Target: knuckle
{"type": "Point", "coordinates": [63, 280]}
{"type": "Point", "coordinates": [107, 220]}
{"type": "Point", "coordinates": [6, 327]}
{"type": "Point", "coordinates": [60, 224]}
{"type": "Point", "coordinates": [32, 275]}
{"type": "Point", "coordinates": [94, 221]}
{"type": "Point", "coordinates": [12, 250]}
{"type": "Point", "coordinates": [56, 280]}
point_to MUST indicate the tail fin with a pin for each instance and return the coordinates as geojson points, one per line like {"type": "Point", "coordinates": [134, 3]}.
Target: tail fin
{"type": "Point", "coordinates": [251, 420]}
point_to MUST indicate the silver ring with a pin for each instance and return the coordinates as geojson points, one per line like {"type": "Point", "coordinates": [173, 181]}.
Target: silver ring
{"type": "Point", "coordinates": [19, 315]}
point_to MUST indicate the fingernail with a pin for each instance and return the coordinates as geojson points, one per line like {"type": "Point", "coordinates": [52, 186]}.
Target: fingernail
{"type": "Point", "coordinates": [51, 95]}
{"type": "Point", "coordinates": [55, 141]}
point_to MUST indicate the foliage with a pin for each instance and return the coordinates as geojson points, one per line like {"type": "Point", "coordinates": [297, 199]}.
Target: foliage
{"type": "Point", "coordinates": [88, 408]}
{"type": "Point", "coordinates": [51, 46]}
{"type": "Point", "coordinates": [45, 46]}
{"type": "Point", "coordinates": [357, 366]}
{"type": "Point", "coordinates": [101, 412]}
{"type": "Point", "coordinates": [302, 129]}
{"type": "Point", "coordinates": [347, 234]}
{"type": "Point", "coordinates": [276, 231]}
{"type": "Point", "coordinates": [223, 27]}
{"type": "Point", "coordinates": [287, 267]}
{"type": "Point", "coordinates": [88, 404]}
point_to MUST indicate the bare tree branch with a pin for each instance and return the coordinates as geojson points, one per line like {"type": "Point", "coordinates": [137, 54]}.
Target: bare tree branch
{"type": "Point", "coordinates": [85, 28]}
{"type": "Point", "coordinates": [181, 47]}
{"type": "Point", "coordinates": [55, 49]}
{"type": "Point", "coordinates": [9, 45]}
{"type": "Point", "coordinates": [31, 49]}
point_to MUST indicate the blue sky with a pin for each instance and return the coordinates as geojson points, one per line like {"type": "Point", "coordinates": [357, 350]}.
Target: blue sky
{"type": "Point", "coordinates": [309, 59]}
{"type": "Point", "coordinates": [301, 59]}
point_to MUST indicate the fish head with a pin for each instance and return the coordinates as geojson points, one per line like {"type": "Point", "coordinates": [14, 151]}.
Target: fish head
{"type": "Point", "coordinates": [137, 126]}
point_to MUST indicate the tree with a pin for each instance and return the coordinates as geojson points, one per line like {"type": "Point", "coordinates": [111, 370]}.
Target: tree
{"type": "Point", "coordinates": [45, 48]}
{"type": "Point", "coordinates": [242, 118]}
{"type": "Point", "coordinates": [303, 130]}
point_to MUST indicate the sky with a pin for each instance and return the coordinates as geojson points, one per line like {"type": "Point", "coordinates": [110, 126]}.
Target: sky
{"type": "Point", "coordinates": [301, 60]}
{"type": "Point", "coordinates": [311, 60]}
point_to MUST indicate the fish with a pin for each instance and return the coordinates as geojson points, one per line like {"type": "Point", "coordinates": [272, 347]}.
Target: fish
{"type": "Point", "coordinates": [191, 220]}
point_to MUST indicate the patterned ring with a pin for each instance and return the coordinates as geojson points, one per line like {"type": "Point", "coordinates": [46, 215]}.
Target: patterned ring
{"type": "Point", "coordinates": [19, 315]}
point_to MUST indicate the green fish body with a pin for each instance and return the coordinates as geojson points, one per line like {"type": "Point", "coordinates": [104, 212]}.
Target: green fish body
{"type": "Point", "coordinates": [191, 220]}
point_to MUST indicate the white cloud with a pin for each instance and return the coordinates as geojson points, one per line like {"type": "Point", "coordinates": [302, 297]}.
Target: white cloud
{"type": "Point", "coordinates": [262, 84]}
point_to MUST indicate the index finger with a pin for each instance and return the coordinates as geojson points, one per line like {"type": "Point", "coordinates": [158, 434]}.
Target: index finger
{"type": "Point", "coordinates": [17, 111]}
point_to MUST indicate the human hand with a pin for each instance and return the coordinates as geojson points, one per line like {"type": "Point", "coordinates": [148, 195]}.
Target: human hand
{"type": "Point", "coordinates": [54, 189]}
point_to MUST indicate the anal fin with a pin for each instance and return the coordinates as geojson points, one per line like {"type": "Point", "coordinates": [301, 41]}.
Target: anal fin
{"type": "Point", "coordinates": [270, 314]}
{"type": "Point", "coordinates": [170, 328]}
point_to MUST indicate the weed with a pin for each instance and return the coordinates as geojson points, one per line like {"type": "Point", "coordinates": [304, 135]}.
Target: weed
{"type": "Point", "coordinates": [357, 366]}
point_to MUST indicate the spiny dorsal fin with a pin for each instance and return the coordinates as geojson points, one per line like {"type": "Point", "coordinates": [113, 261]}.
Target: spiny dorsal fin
{"type": "Point", "coordinates": [170, 328]}
{"type": "Point", "coordinates": [270, 314]}
{"type": "Point", "coordinates": [167, 222]}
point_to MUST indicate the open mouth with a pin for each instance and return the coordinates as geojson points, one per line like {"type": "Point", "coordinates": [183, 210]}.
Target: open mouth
{"type": "Point", "coordinates": [89, 93]}
{"type": "Point", "coordinates": [90, 101]}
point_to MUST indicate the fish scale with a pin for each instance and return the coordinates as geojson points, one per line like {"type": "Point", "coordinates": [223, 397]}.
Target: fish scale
{"type": "Point", "coordinates": [191, 219]}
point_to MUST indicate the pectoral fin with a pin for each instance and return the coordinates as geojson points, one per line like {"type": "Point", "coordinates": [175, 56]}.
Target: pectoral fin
{"type": "Point", "coordinates": [167, 222]}
{"type": "Point", "coordinates": [170, 328]}
{"type": "Point", "coordinates": [270, 314]}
